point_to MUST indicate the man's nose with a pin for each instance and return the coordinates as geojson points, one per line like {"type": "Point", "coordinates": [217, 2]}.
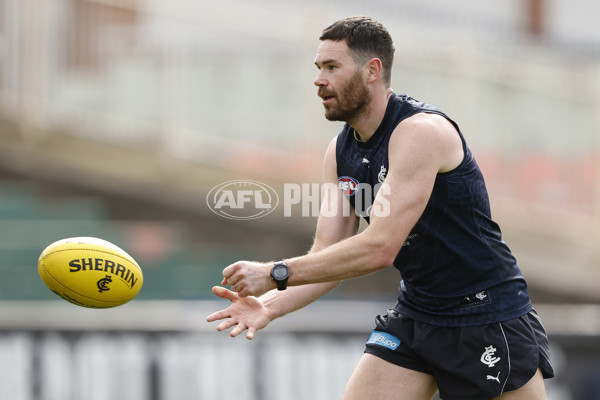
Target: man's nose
{"type": "Point", "coordinates": [319, 80]}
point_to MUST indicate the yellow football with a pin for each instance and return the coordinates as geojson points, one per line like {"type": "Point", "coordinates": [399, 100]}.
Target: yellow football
{"type": "Point", "coordinates": [90, 272]}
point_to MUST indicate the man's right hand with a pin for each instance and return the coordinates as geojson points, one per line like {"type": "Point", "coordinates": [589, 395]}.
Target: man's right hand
{"type": "Point", "coordinates": [244, 313]}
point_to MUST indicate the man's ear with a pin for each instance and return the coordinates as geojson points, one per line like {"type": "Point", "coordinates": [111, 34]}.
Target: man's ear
{"type": "Point", "coordinates": [374, 69]}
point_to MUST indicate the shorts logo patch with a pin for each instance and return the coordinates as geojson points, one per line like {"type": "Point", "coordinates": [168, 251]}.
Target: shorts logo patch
{"type": "Point", "coordinates": [495, 378]}
{"type": "Point", "coordinates": [384, 339]}
{"type": "Point", "coordinates": [488, 357]}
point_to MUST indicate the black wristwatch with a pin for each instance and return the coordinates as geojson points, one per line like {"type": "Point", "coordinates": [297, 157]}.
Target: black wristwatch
{"type": "Point", "coordinates": [280, 274]}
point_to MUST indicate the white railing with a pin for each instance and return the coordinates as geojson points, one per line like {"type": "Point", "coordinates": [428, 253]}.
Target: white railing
{"type": "Point", "coordinates": [166, 351]}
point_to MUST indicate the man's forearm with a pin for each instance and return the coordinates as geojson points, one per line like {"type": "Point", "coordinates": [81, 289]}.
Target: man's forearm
{"type": "Point", "coordinates": [280, 303]}
{"type": "Point", "coordinates": [356, 256]}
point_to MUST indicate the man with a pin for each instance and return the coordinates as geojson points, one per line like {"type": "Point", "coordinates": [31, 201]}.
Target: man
{"type": "Point", "coordinates": [463, 322]}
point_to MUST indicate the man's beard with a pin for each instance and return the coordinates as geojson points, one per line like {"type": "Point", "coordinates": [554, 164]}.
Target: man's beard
{"type": "Point", "coordinates": [354, 98]}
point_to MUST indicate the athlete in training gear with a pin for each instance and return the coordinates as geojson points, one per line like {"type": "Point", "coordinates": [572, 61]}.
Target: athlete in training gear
{"type": "Point", "coordinates": [463, 322]}
{"type": "Point", "coordinates": [457, 271]}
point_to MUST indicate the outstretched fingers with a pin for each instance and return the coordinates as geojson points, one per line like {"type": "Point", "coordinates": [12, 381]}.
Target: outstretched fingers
{"type": "Point", "coordinates": [225, 293]}
{"type": "Point", "coordinates": [245, 313]}
{"type": "Point", "coordinates": [226, 324]}
{"type": "Point", "coordinates": [217, 315]}
{"type": "Point", "coordinates": [241, 327]}
{"type": "Point", "coordinates": [251, 332]}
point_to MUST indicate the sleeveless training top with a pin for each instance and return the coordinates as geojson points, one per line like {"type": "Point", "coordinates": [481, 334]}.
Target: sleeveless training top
{"type": "Point", "coordinates": [456, 269]}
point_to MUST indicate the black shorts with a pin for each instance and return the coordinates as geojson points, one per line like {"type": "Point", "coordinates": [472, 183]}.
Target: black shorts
{"type": "Point", "coordinates": [468, 363]}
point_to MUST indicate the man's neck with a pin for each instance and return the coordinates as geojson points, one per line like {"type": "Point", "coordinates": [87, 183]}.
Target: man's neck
{"type": "Point", "coordinates": [369, 120]}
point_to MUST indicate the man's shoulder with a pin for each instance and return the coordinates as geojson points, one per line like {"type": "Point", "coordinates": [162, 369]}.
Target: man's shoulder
{"type": "Point", "coordinates": [424, 120]}
{"type": "Point", "coordinates": [433, 136]}
{"type": "Point", "coordinates": [426, 123]}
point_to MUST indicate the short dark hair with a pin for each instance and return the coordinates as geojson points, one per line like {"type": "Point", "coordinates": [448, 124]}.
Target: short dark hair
{"type": "Point", "coordinates": [366, 38]}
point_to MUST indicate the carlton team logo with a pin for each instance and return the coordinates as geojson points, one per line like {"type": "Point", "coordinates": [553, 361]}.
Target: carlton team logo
{"type": "Point", "coordinates": [348, 184]}
{"type": "Point", "coordinates": [489, 356]}
{"type": "Point", "coordinates": [103, 284]}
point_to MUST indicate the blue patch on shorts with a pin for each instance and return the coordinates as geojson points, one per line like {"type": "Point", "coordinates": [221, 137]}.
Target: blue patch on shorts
{"type": "Point", "coordinates": [384, 339]}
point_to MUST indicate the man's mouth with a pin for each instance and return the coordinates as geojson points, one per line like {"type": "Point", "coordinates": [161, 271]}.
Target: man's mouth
{"type": "Point", "coordinates": [326, 98]}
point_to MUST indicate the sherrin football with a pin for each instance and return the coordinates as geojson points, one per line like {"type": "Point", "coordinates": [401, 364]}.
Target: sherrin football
{"type": "Point", "coordinates": [90, 272]}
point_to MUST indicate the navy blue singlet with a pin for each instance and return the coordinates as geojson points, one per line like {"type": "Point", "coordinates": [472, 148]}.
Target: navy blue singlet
{"type": "Point", "coordinates": [456, 269]}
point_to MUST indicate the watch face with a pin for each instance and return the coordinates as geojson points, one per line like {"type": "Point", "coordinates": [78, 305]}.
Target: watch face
{"type": "Point", "coordinates": [280, 272]}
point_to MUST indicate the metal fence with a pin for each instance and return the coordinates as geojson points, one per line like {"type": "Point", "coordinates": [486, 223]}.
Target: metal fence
{"type": "Point", "coordinates": [154, 350]}
{"type": "Point", "coordinates": [166, 351]}
{"type": "Point", "coordinates": [171, 366]}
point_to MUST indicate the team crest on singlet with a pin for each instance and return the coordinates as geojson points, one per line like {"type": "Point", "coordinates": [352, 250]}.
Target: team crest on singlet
{"type": "Point", "coordinates": [382, 173]}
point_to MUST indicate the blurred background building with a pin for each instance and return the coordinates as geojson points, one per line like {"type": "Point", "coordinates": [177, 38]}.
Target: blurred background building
{"type": "Point", "coordinates": [117, 117]}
